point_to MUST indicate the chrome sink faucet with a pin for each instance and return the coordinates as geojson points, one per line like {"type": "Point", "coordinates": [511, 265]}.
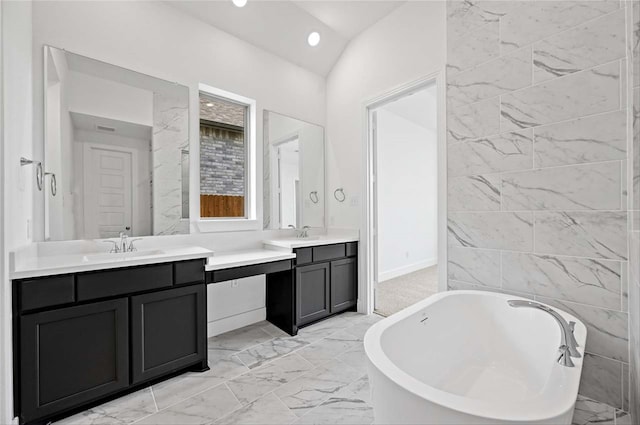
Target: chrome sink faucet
{"type": "Point", "coordinates": [302, 232]}
{"type": "Point", "coordinates": [125, 245]}
{"type": "Point", "coordinates": [568, 344]}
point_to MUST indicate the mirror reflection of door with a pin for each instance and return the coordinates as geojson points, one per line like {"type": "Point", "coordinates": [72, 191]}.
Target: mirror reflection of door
{"type": "Point", "coordinates": [289, 183]}
{"type": "Point", "coordinates": [109, 190]}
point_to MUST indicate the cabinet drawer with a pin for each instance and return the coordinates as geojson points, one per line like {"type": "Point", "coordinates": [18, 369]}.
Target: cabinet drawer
{"type": "Point", "coordinates": [46, 292]}
{"type": "Point", "coordinates": [246, 271]}
{"type": "Point", "coordinates": [189, 272]}
{"type": "Point", "coordinates": [123, 281]}
{"type": "Point", "coordinates": [303, 256]}
{"type": "Point", "coordinates": [329, 252]}
{"type": "Point", "coordinates": [352, 249]}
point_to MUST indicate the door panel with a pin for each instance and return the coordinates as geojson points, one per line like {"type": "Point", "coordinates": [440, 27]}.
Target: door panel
{"type": "Point", "coordinates": [344, 284]}
{"type": "Point", "coordinates": [168, 331]}
{"type": "Point", "coordinates": [72, 355]}
{"type": "Point", "coordinates": [108, 192]}
{"type": "Point", "coordinates": [312, 293]}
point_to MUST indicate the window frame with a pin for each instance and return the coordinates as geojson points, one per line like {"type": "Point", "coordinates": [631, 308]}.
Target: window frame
{"type": "Point", "coordinates": [250, 221]}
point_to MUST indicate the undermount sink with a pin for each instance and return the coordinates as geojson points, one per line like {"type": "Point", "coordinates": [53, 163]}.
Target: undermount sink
{"type": "Point", "coordinates": [122, 255]}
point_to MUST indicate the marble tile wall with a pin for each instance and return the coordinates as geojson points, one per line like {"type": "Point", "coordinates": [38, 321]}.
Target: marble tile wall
{"type": "Point", "coordinates": [170, 138]}
{"type": "Point", "coordinates": [540, 168]}
{"type": "Point", "coordinates": [633, 183]}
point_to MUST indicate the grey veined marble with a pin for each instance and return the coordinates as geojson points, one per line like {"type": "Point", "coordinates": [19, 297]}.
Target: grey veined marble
{"type": "Point", "coordinates": [464, 17]}
{"type": "Point", "coordinates": [502, 152]}
{"type": "Point", "coordinates": [590, 139]}
{"type": "Point", "coordinates": [473, 121]}
{"type": "Point", "coordinates": [495, 230]}
{"type": "Point", "coordinates": [576, 187]}
{"type": "Point", "coordinates": [529, 21]}
{"type": "Point", "coordinates": [474, 193]}
{"type": "Point", "coordinates": [582, 233]}
{"type": "Point", "coordinates": [476, 266]}
{"type": "Point", "coordinates": [589, 281]}
{"type": "Point", "coordinates": [596, 42]}
{"type": "Point", "coordinates": [499, 76]}
{"type": "Point", "coordinates": [593, 91]}
{"type": "Point", "coordinates": [473, 49]}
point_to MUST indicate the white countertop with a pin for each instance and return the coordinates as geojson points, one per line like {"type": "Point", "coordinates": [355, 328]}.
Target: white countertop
{"type": "Point", "coordinates": [229, 259]}
{"type": "Point", "coordinates": [48, 265]}
{"type": "Point", "coordinates": [292, 243]}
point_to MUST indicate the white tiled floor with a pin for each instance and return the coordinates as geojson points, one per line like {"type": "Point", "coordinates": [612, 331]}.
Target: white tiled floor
{"type": "Point", "coordinates": [260, 375]}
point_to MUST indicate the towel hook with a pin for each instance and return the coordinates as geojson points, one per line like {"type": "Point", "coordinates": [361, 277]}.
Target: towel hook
{"type": "Point", "coordinates": [39, 172]}
{"type": "Point", "coordinates": [54, 183]}
{"type": "Point", "coordinates": [339, 198]}
{"type": "Point", "coordinates": [314, 197]}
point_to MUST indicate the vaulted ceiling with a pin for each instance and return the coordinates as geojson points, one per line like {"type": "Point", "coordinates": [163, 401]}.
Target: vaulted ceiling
{"type": "Point", "coordinates": [282, 27]}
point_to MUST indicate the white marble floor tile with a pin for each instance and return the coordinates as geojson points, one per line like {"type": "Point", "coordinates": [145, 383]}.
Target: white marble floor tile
{"type": "Point", "coordinates": [260, 381]}
{"type": "Point", "coordinates": [123, 410]}
{"type": "Point", "coordinates": [589, 411]}
{"type": "Point", "coordinates": [268, 351]}
{"type": "Point", "coordinates": [174, 390]}
{"type": "Point", "coordinates": [350, 405]}
{"type": "Point", "coordinates": [326, 349]}
{"type": "Point", "coordinates": [266, 410]}
{"type": "Point", "coordinates": [203, 408]}
{"type": "Point", "coordinates": [314, 387]}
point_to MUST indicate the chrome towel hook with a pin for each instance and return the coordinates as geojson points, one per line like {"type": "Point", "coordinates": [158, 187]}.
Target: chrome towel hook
{"type": "Point", "coordinates": [54, 183]}
{"type": "Point", "coordinates": [339, 198]}
{"type": "Point", "coordinates": [314, 197]}
{"type": "Point", "coordinates": [39, 172]}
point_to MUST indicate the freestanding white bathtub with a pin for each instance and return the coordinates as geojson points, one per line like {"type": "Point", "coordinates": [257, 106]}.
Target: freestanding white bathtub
{"type": "Point", "coordinates": [467, 357]}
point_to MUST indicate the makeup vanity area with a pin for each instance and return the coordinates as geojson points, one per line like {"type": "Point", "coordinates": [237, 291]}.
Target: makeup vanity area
{"type": "Point", "coordinates": [91, 325]}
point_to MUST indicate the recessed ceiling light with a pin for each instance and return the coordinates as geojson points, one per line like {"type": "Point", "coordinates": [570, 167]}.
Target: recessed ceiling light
{"type": "Point", "coordinates": [209, 104]}
{"type": "Point", "coordinates": [240, 3]}
{"type": "Point", "coordinates": [313, 39]}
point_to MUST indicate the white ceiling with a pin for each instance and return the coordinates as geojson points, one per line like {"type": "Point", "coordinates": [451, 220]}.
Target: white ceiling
{"type": "Point", "coordinates": [282, 27]}
{"type": "Point", "coordinates": [419, 107]}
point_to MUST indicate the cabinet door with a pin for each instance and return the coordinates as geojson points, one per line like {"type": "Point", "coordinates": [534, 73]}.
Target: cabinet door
{"type": "Point", "coordinates": [312, 293]}
{"type": "Point", "coordinates": [344, 284]}
{"type": "Point", "coordinates": [71, 356]}
{"type": "Point", "coordinates": [167, 331]}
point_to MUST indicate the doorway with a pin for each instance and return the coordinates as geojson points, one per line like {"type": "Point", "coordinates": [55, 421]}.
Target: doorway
{"type": "Point", "coordinates": [403, 212]}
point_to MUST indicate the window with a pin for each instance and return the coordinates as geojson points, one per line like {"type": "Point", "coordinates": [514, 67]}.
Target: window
{"type": "Point", "coordinates": [227, 158]}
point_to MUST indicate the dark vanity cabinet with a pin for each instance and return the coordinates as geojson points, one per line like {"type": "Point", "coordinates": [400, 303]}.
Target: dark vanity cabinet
{"type": "Point", "coordinates": [326, 281]}
{"type": "Point", "coordinates": [72, 355]}
{"type": "Point", "coordinates": [83, 338]}
{"type": "Point", "coordinates": [167, 331]}
{"type": "Point", "coordinates": [313, 293]}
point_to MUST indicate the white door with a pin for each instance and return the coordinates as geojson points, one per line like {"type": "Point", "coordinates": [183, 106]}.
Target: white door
{"type": "Point", "coordinates": [108, 206]}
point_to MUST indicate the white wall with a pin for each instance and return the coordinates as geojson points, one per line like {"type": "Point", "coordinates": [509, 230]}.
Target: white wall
{"type": "Point", "coordinates": [407, 195]}
{"type": "Point", "coordinates": [17, 182]}
{"type": "Point", "coordinates": [402, 47]}
{"type": "Point", "coordinates": [108, 99]}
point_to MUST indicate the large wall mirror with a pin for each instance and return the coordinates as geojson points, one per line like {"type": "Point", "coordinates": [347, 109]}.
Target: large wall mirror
{"type": "Point", "coordinates": [294, 179]}
{"type": "Point", "coordinates": [116, 151]}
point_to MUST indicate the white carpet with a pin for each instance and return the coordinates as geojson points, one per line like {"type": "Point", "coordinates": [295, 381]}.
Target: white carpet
{"type": "Point", "coordinates": [398, 293]}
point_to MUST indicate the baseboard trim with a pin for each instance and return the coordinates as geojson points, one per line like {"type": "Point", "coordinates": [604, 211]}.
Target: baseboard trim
{"type": "Point", "coordinates": [237, 321]}
{"type": "Point", "coordinates": [401, 271]}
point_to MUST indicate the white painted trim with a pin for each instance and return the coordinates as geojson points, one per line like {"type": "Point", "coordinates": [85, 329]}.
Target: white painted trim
{"type": "Point", "coordinates": [253, 221]}
{"type": "Point", "coordinates": [367, 249]}
{"type": "Point", "coordinates": [238, 321]}
{"type": "Point", "coordinates": [410, 268]}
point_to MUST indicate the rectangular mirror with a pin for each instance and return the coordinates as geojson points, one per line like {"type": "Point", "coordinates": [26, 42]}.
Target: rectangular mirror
{"type": "Point", "coordinates": [294, 174]}
{"type": "Point", "coordinates": [116, 151]}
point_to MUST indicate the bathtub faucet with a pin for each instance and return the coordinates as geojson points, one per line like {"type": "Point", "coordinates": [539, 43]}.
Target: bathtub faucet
{"type": "Point", "coordinates": [568, 344]}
